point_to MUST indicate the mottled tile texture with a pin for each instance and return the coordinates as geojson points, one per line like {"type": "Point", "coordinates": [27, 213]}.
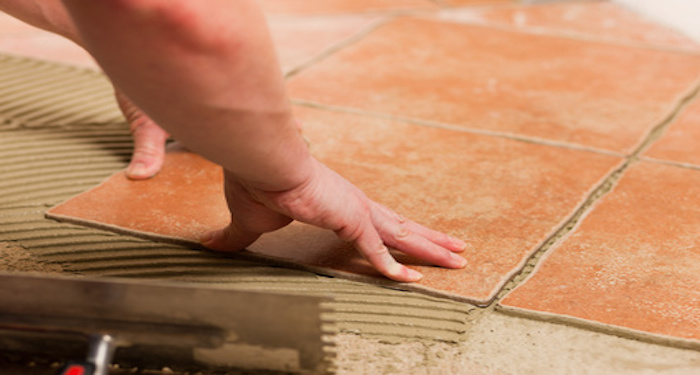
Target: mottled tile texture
{"type": "Point", "coordinates": [482, 189]}
{"type": "Point", "coordinates": [342, 6]}
{"type": "Point", "coordinates": [633, 262]}
{"type": "Point", "coordinates": [602, 20]}
{"type": "Point", "coordinates": [515, 114]}
{"type": "Point", "coordinates": [681, 142]}
{"type": "Point", "coordinates": [572, 91]}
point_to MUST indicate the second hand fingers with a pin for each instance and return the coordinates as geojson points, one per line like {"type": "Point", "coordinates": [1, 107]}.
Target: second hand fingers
{"type": "Point", "coordinates": [149, 151]}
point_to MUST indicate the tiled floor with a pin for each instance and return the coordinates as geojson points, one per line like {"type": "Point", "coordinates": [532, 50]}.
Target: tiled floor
{"type": "Point", "coordinates": [504, 124]}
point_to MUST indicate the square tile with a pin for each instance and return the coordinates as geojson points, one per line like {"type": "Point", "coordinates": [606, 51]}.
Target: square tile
{"type": "Point", "coordinates": [341, 6]}
{"type": "Point", "coordinates": [597, 19]}
{"type": "Point", "coordinates": [299, 39]}
{"type": "Point", "coordinates": [633, 262]}
{"type": "Point", "coordinates": [681, 142]}
{"type": "Point", "coordinates": [476, 2]}
{"type": "Point", "coordinates": [593, 94]}
{"type": "Point", "coordinates": [503, 196]}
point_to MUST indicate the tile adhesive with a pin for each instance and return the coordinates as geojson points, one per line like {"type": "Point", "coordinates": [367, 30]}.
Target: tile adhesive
{"type": "Point", "coordinates": [62, 133]}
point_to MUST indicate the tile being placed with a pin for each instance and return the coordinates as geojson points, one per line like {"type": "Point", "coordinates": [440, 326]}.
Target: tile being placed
{"type": "Point", "coordinates": [681, 142]}
{"type": "Point", "coordinates": [502, 196]}
{"type": "Point", "coordinates": [634, 262]}
{"type": "Point", "coordinates": [299, 39]}
{"type": "Point", "coordinates": [595, 19]}
{"type": "Point", "coordinates": [592, 94]}
{"type": "Point", "coordinates": [341, 6]}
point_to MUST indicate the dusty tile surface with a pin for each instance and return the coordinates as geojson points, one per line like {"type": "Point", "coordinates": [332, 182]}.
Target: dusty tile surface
{"type": "Point", "coordinates": [475, 2]}
{"type": "Point", "coordinates": [341, 6]}
{"type": "Point", "coordinates": [681, 143]}
{"type": "Point", "coordinates": [599, 19]}
{"type": "Point", "coordinates": [299, 39]}
{"type": "Point", "coordinates": [593, 94]}
{"type": "Point", "coordinates": [633, 262]}
{"type": "Point", "coordinates": [485, 190]}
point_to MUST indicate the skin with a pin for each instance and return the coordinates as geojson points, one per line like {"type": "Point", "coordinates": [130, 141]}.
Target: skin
{"type": "Point", "coordinates": [229, 104]}
{"type": "Point", "coordinates": [149, 138]}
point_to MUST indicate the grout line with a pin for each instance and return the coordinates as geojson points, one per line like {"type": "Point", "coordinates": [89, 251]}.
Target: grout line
{"type": "Point", "coordinates": [461, 129]}
{"type": "Point", "coordinates": [670, 163]}
{"type": "Point", "coordinates": [659, 130]}
{"type": "Point", "coordinates": [327, 52]}
{"type": "Point", "coordinates": [596, 195]}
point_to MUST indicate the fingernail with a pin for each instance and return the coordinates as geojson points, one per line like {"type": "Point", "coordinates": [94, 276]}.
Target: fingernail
{"type": "Point", "coordinates": [458, 261]}
{"type": "Point", "coordinates": [137, 170]}
{"type": "Point", "coordinates": [413, 275]}
{"type": "Point", "coordinates": [458, 243]}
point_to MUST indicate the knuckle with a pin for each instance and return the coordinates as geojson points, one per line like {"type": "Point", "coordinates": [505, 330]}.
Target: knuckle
{"type": "Point", "coordinates": [402, 234]}
{"type": "Point", "coordinates": [146, 151]}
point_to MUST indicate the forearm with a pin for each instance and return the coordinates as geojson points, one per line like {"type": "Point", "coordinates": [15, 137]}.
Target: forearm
{"type": "Point", "coordinates": [206, 72]}
{"type": "Point", "coordinates": [50, 15]}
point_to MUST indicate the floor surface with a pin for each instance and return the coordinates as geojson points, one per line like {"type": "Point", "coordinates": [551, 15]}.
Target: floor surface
{"type": "Point", "coordinates": [564, 151]}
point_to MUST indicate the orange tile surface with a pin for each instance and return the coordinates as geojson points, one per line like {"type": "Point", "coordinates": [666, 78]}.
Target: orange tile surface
{"type": "Point", "coordinates": [594, 94]}
{"type": "Point", "coordinates": [598, 19]}
{"type": "Point", "coordinates": [633, 262]}
{"type": "Point", "coordinates": [681, 142]}
{"type": "Point", "coordinates": [298, 39]}
{"type": "Point", "coordinates": [475, 2]}
{"type": "Point", "coordinates": [341, 6]}
{"type": "Point", "coordinates": [502, 196]}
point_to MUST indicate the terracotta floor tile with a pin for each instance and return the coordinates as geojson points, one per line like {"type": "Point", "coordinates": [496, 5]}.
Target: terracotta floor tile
{"type": "Point", "coordinates": [503, 196]}
{"type": "Point", "coordinates": [634, 262]}
{"type": "Point", "coordinates": [299, 39]}
{"type": "Point", "coordinates": [681, 143]}
{"type": "Point", "coordinates": [597, 19]}
{"type": "Point", "coordinates": [341, 6]}
{"type": "Point", "coordinates": [476, 2]}
{"type": "Point", "coordinates": [593, 94]}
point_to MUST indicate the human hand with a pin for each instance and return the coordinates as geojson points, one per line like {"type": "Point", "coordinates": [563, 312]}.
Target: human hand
{"type": "Point", "coordinates": [329, 201]}
{"type": "Point", "coordinates": [149, 141]}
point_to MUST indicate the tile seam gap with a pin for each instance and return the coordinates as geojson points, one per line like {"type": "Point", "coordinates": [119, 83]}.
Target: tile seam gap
{"type": "Point", "coordinates": [451, 127]}
{"type": "Point", "coordinates": [598, 193]}
{"type": "Point", "coordinates": [530, 264]}
{"type": "Point", "coordinates": [658, 131]}
{"type": "Point", "coordinates": [336, 47]}
{"type": "Point", "coordinates": [671, 163]}
{"type": "Point", "coordinates": [602, 328]}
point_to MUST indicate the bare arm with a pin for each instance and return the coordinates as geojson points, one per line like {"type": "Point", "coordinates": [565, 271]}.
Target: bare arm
{"type": "Point", "coordinates": [207, 72]}
{"type": "Point", "coordinates": [149, 138]}
{"type": "Point", "coordinates": [49, 15]}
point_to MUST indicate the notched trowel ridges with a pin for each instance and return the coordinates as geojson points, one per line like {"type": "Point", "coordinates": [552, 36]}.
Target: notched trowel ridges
{"type": "Point", "coordinates": [36, 93]}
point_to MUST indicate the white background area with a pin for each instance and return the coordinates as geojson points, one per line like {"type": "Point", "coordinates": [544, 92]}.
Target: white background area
{"type": "Point", "coordinates": [683, 15]}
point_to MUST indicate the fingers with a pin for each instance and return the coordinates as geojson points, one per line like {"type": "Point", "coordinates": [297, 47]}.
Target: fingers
{"type": "Point", "coordinates": [149, 150]}
{"type": "Point", "coordinates": [439, 238]}
{"type": "Point", "coordinates": [149, 140]}
{"type": "Point", "coordinates": [418, 241]}
{"type": "Point", "coordinates": [370, 245]}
